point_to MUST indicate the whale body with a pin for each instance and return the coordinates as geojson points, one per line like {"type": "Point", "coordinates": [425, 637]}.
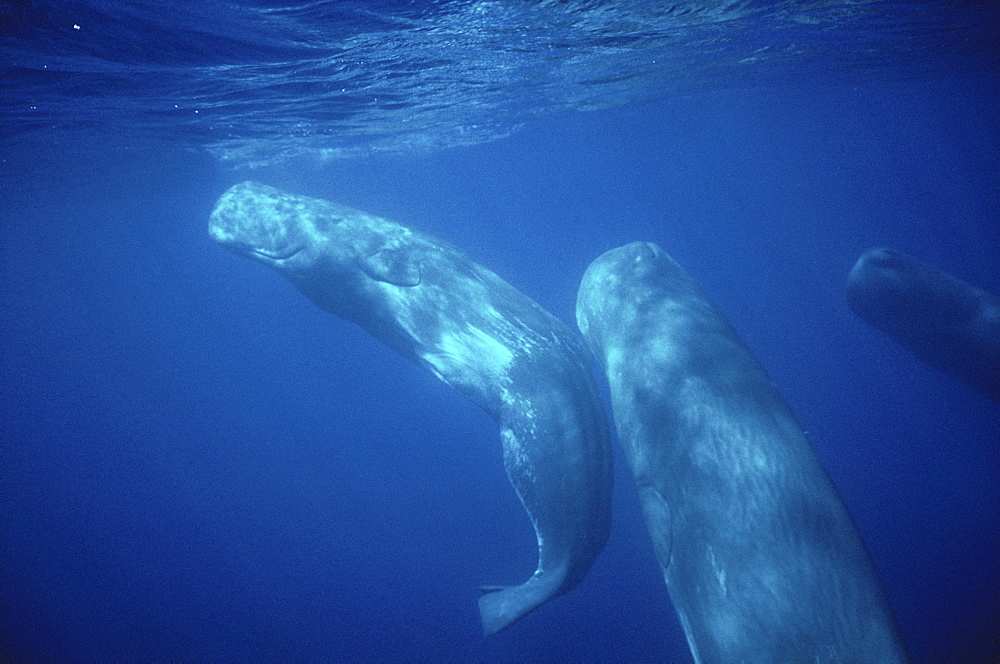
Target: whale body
{"type": "Point", "coordinates": [941, 319]}
{"type": "Point", "coordinates": [759, 555]}
{"type": "Point", "coordinates": [435, 306]}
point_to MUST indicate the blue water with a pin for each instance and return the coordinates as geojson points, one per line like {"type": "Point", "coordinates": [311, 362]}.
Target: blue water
{"type": "Point", "coordinates": [198, 464]}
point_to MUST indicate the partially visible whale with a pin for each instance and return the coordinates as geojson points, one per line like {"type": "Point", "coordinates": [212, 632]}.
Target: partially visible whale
{"type": "Point", "coordinates": [939, 318]}
{"type": "Point", "coordinates": [432, 304]}
{"type": "Point", "coordinates": [761, 559]}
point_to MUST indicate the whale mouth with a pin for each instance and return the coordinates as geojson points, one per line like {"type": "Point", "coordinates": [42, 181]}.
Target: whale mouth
{"type": "Point", "coordinates": [282, 256]}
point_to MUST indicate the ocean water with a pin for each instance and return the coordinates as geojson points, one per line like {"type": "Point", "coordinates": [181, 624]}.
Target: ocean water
{"type": "Point", "coordinates": [197, 464]}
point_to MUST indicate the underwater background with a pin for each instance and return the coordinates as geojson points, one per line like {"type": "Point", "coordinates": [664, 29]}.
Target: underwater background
{"type": "Point", "coordinates": [198, 464]}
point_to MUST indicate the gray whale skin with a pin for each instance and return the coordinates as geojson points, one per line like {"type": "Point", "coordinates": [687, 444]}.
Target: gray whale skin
{"type": "Point", "coordinates": [760, 557]}
{"type": "Point", "coordinates": [939, 318]}
{"type": "Point", "coordinates": [435, 306]}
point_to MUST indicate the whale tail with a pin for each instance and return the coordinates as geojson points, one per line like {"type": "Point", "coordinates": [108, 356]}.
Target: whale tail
{"type": "Point", "coordinates": [500, 606]}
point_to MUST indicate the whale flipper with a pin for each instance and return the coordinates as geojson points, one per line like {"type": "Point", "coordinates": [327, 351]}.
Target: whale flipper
{"type": "Point", "coordinates": [656, 511]}
{"type": "Point", "coordinates": [500, 606]}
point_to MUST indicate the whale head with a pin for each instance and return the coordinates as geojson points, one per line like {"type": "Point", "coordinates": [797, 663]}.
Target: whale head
{"type": "Point", "coordinates": [638, 271]}
{"type": "Point", "coordinates": [287, 232]}
{"type": "Point", "coordinates": [890, 289]}
{"type": "Point", "coordinates": [333, 253]}
{"type": "Point", "coordinates": [636, 287]}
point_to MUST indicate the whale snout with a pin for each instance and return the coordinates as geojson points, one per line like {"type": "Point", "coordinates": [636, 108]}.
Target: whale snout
{"type": "Point", "coordinates": [252, 220]}
{"type": "Point", "coordinates": [254, 240]}
{"type": "Point", "coordinates": [880, 256]}
{"type": "Point", "coordinates": [877, 273]}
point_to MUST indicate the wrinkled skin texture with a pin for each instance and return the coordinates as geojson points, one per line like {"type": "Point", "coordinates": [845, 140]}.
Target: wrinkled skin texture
{"type": "Point", "coordinates": [758, 553]}
{"type": "Point", "coordinates": [432, 304]}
